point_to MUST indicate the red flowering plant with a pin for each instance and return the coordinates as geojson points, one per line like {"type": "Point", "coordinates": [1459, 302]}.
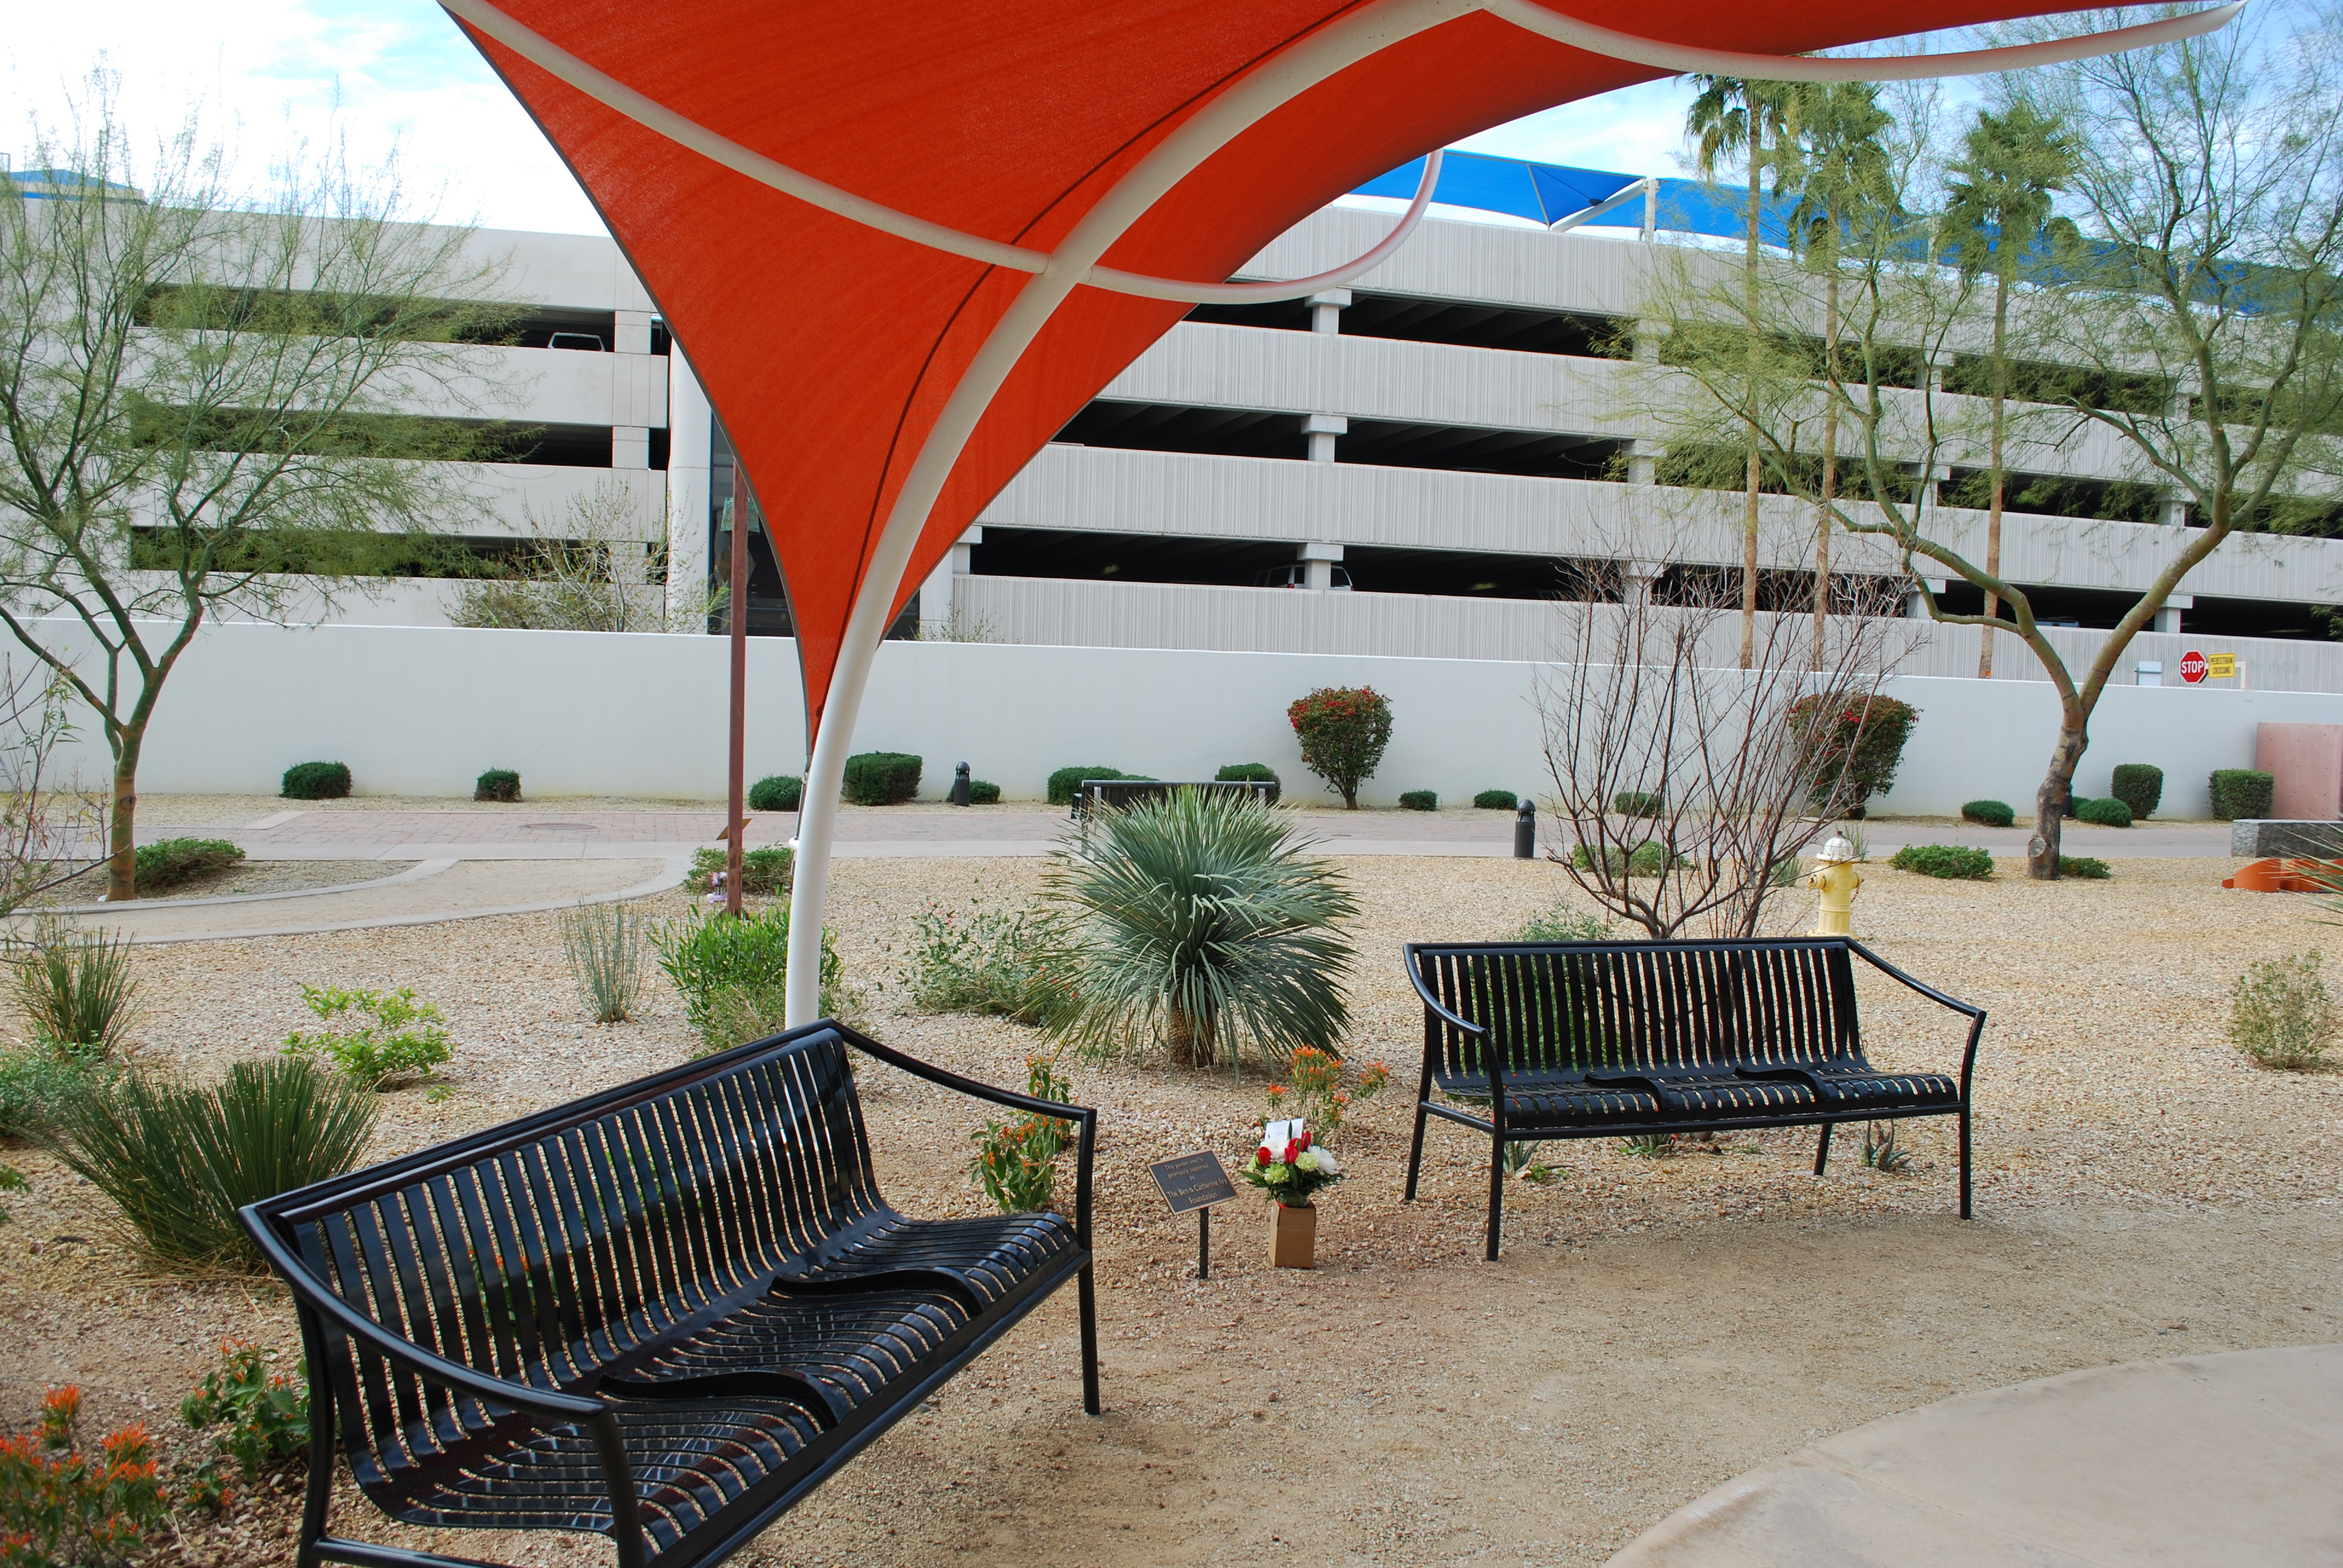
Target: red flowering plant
{"type": "Point", "coordinates": [1289, 1168]}
{"type": "Point", "coordinates": [62, 1506]}
{"type": "Point", "coordinates": [1344, 730]}
{"type": "Point", "coordinates": [1852, 745]}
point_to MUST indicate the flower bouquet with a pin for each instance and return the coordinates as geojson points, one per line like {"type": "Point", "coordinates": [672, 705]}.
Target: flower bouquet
{"type": "Point", "coordinates": [1289, 1168]}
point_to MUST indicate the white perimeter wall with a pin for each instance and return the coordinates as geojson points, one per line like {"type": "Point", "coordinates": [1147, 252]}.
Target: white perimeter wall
{"type": "Point", "coordinates": [422, 710]}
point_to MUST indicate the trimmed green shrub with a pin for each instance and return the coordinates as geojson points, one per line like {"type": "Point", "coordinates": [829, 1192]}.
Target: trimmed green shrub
{"type": "Point", "coordinates": [1951, 861]}
{"type": "Point", "coordinates": [2139, 786]}
{"type": "Point", "coordinates": [1343, 731]}
{"type": "Point", "coordinates": [2281, 1014]}
{"type": "Point", "coordinates": [764, 873]}
{"type": "Point", "coordinates": [375, 1039]}
{"type": "Point", "coordinates": [1418, 801]}
{"type": "Point", "coordinates": [734, 974]}
{"type": "Point", "coordinates": [776, 792]}
{"type": "Point", "coordinates": [1247, 773]}
{"type": "Point", "coordinates": [882, 778]}
{"type": "Point", "coordinates": [2100, 813]}
{"type": "Point", "coordinates": [77, 989]}
{"type": "Point", "coordinates": [316, 781]}
{"type": "Point", "coordinates": [1496, 800]}
{"type": "Point", "coordinates": [168, 862]}
{"type": "Point", "coordinates": [983, 792]}
{"type": "Point", "coordinates": [497, 784]}
{"type": "Point", "coordinates": [2242, 793]}
{"type": "Point", "coordinates": [2088, 868]}
{"type": "Point", "coordinates": [1991, 813]}
{"type": "Point", "coordinates": [1066, 780]}
{"type": "Point", "coordinates": [1861, 738]}
{"type": "Point", "coordinates": [178, 1162]}
{"type": "Point", "coordinates": [1640, 803]}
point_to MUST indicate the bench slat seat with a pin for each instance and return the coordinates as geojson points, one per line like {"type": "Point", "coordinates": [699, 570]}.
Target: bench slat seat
{"type": "Point", "coordinates": [664, 1313]}
{"type": "Point", "coordinates": [1531, 1041]}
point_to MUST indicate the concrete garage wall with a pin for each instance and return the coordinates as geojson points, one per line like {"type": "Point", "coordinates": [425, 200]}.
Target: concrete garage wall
{"type": "Point", "coordinates": [422, 710]}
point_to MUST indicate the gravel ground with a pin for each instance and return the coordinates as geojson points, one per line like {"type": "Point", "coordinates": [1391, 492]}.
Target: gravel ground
{"type": "Point", "coordinates": [1656, 1327]}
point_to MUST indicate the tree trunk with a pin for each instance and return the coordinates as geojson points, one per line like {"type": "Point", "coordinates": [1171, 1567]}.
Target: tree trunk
{"type": "Point", "coordinates": [1749, 303]}
{"type": "Point", "coordinates": [1830, 462]}
{"type": "Point", "coordinates": [1993, 514]}
{"type": "Point", "coordinates": [121, 829]}
{"type": "Point", "coordinates": [2050, 799]}
{"type": "Point", "coordinates": [1188, 1038]}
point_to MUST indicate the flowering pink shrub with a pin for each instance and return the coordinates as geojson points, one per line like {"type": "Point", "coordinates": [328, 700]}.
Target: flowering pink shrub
{"type": "Point", "coordinates": [1344, 730]}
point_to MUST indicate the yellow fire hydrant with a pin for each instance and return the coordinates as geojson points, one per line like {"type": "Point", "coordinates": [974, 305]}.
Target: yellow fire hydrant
{"type": "Point", "coordinates": [1835, 877]}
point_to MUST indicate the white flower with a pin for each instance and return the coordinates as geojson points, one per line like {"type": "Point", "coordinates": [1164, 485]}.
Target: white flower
{"type": "Point", "coordinates": [1319, 1160]}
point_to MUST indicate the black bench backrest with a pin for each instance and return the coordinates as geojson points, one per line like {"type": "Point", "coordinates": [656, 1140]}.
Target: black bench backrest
{"type": "Point", "coordinates": [544, 1250]}
{"type": "Point", "coordinates": [1571, 1007]}
{"type": "Point", "coordinates": [1125, 793]}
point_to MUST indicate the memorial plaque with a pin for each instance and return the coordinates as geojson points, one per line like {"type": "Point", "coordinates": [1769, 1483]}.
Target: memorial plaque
{"type": "Point", "coordinates": [1191, 1181]}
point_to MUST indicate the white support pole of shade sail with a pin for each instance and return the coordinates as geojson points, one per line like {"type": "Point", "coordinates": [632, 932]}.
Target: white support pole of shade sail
{"type": "Point", "coordinates": [1342, 44]}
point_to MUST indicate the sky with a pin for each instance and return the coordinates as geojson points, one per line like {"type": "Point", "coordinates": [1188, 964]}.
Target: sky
{"type": "Point", "coordinates": [397, 76]}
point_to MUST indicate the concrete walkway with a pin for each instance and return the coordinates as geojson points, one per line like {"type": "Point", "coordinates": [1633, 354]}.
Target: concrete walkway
{"type": "Point", "coordinates": [2203, 1462]}
{"type": "Point", "coordinates": [916, 831]}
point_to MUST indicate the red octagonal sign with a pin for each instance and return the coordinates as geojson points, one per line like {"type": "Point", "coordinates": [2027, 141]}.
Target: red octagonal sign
{"type": "Point", "coordinates": [2192, 667]}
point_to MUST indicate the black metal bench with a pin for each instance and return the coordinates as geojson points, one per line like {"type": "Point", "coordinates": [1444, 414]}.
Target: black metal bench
{"type": "Point", "coordinates": [664, 1314]}
{"type": "Point", "coordinates": [1125, 793]}
{"type": "Point", "coordinates": [1612, 1040]}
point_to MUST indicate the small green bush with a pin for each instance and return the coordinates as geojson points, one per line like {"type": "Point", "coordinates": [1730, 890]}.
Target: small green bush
{"type": "Point", "coordinates": [35, 1079]}
{"type": "Point", "coordinates": [1639, 803]}
{"type": "Point", "coordinates": [1496, 800]}
{"type": "Point", "coordinates": [1991, 813]}
{"type": "Point", "coordinates": [777, 793]}
{"type": "Point", "coordinates": [2086, 866]}
{"type": "Point", "coordinates": [375, 1039]}
{"type": "Point", "coordinates": [882, 778]}
{"type": "Point", "coordinates": [178, 1162]}
{"type": "Point", "coordinates": [604, 944]}
{"type": "Point", "coordinates": [2139, 786]}
{"type": "Point", "coordinates": [2103, 813]}
{"type": "Point", "coordinates": [497, 784]}
{"type": "Point", "coordinates": [1648, 858]}
{"type": "Point", "coordinates": [1559, 925]}
{"type": "Point", "coordinates": [2281, 1014]}
{"type": "Point", "coordinates": [1246, 773]}
{"type": "Point", "coordinates": [316, 781]}
{"type": "Point", "coordinates": [733, 972]}
{"type": "Point", "coordinates": [987, 961]}
{"type": "Point", "coordinates": [1418, 801]}
{"type": "Point", "coordinates": [1951, 861]}
{"type": "Point", "coordinates": [764, 873]}
{"type": "Point", "coordinates": [75, 989]}
{"type": "Point", "coordinates": [2242, 794]}
{"type": "Point", "coordinates": [1066, 780]}
{"type": "Point", "coordinates": [169, 862]}
{"type": "Point", "coordinates": [983, 792]}
{"type": "Point", "coordinates": [257, 1419]}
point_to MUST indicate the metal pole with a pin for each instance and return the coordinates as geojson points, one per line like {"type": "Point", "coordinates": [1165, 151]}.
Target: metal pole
{"type": "Point", "coordinates": [1204, 1243]}
{"type": "Point", "coordinates": [739, 629]}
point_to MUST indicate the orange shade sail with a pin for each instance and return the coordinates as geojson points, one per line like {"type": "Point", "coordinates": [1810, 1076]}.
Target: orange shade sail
{"type": "Point", "coordinates": [831, 348]}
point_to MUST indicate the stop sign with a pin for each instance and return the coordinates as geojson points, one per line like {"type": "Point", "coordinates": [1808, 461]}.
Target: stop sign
{"type": "Point", "coordinates": [2192, 667]}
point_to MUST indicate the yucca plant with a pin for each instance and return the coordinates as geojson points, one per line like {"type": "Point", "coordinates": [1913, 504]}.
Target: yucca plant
{"type": "Point", "coordinates": [1198, 922]}
{"type": "Point", "coordinates": [604, 944]}
{"type": "Point", "coordinates": [76, 988]}
{"type": "Point", "coordinates": [177, 1162]}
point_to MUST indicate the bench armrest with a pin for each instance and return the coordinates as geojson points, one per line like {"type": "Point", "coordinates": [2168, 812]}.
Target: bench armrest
{"type": "Point", "coordinates": [1084, 1117]}
{"type": "Point", "coordinates": [1416, 978]}
{"type": "Point", "coordinates": [1975, 1014]}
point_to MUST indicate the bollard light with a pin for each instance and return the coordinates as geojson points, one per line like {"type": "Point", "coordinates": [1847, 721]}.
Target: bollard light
{"type": "Point", "coordinates": [1525, 832]}
{"type": "Point", "coordinates": [959, 785]}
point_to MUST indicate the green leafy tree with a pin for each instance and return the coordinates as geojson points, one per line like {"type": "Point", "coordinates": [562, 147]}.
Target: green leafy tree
{"type": "Point", "coordinates": [204, 405]}
{"type": "Point", "coordinates": [1344, 730]}
{"type": "Point", "coordinates": [1997, 212]}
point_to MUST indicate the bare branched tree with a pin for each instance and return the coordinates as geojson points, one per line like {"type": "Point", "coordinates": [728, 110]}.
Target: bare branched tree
{"type": "Point", "coordinates": [50, 832]}
{"type": "Point", "coordinates": [1683, 793]}
{"type": "Point", "coordinates": [588, 569]}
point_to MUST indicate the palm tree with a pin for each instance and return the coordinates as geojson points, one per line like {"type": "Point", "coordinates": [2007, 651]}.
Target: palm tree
{"type": "Point", "coordinates": [1836, 163]}
{"type": "Point", "coordinates": [1199, 922]}
{"type": "Point", "coordinates": [1734, 118]}
{"type": "Point", "coordinates": [1997, 204]}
